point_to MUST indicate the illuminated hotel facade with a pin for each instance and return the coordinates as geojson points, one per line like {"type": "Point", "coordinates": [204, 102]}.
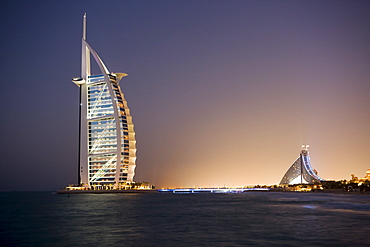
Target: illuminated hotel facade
{"type": "Point", "coordinates": [107, 145]}
{"type": "Point", "coordinates": [301, 172]}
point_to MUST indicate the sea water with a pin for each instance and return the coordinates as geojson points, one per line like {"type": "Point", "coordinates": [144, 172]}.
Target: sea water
{"type": "Point", "coordinates": [241, 219]}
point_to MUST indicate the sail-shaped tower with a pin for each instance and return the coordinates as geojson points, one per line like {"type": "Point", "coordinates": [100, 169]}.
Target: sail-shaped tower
{"type": "Point", "coordinates": [301, 172]}
{"type": "Point", "coordinates": [107, 145]}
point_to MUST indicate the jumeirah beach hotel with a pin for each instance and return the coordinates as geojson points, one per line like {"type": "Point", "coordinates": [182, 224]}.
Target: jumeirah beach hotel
{"type": "Point", "coordinates": [301, 171]}
{"type": "Point", "coordinates": [107, 145]}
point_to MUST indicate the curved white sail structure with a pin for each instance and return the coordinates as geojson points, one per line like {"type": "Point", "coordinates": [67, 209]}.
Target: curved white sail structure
{"type": "Point", "coordinates": [107, 154]}
{"type": "Point", "coordinates": [301, 172]}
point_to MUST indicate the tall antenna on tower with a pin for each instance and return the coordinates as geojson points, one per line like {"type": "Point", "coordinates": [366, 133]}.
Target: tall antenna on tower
{"type": "Point", "coordinates": [85, 60]}
{"type": "Point", "coordinates": [84, 28]}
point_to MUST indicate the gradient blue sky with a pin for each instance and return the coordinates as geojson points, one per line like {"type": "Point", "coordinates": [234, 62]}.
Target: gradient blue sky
{"type": "Point", "coordinates": [221, 92]}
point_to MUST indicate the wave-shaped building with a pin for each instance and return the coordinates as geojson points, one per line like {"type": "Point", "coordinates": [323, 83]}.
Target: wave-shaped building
{"type": "Point", "coordinates": [107, 145]}
{"type": "Point", "coordinates": [301, 172]}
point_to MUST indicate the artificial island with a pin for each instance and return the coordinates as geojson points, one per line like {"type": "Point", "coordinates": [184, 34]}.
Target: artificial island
{"type": "Point", "coordinates": [107, 144]}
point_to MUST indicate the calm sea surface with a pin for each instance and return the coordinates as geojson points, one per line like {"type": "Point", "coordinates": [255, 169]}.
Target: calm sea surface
{"type": "Point", "coordinates": [253, 218]}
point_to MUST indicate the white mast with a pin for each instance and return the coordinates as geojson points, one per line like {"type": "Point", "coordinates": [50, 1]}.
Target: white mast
{"type": "Point", "coordinates": [85, 62]}
{"type": "Point", "coordinates": [85, 72]}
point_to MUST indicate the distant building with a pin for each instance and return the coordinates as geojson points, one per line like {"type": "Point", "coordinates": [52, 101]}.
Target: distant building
{"type": "Point", "coordinates": [301, 172]}
{"type": "Point", "coordinates": [359, 180]}
{"type": "Point", "coordinates": [107, 145]}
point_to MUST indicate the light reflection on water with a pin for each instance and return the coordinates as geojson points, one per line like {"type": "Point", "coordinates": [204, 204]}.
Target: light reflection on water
{"type": "Point", "coordinates": [253, 218]}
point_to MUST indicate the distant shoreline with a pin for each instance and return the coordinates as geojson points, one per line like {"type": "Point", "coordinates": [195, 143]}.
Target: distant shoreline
{"type": "Point", "coordinates": [331, 191]}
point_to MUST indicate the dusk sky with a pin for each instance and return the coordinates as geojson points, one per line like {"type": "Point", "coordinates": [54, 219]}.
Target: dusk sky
{"type": "Point", "coordinates": [221, 92]}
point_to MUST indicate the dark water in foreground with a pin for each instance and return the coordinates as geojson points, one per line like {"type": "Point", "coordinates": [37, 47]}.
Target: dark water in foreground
{"type": "Point", "coordinates": [253, 218]}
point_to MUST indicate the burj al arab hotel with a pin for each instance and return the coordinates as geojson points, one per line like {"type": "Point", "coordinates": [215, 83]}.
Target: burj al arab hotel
{"type": "Point", "coordinates": [107, 145]}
